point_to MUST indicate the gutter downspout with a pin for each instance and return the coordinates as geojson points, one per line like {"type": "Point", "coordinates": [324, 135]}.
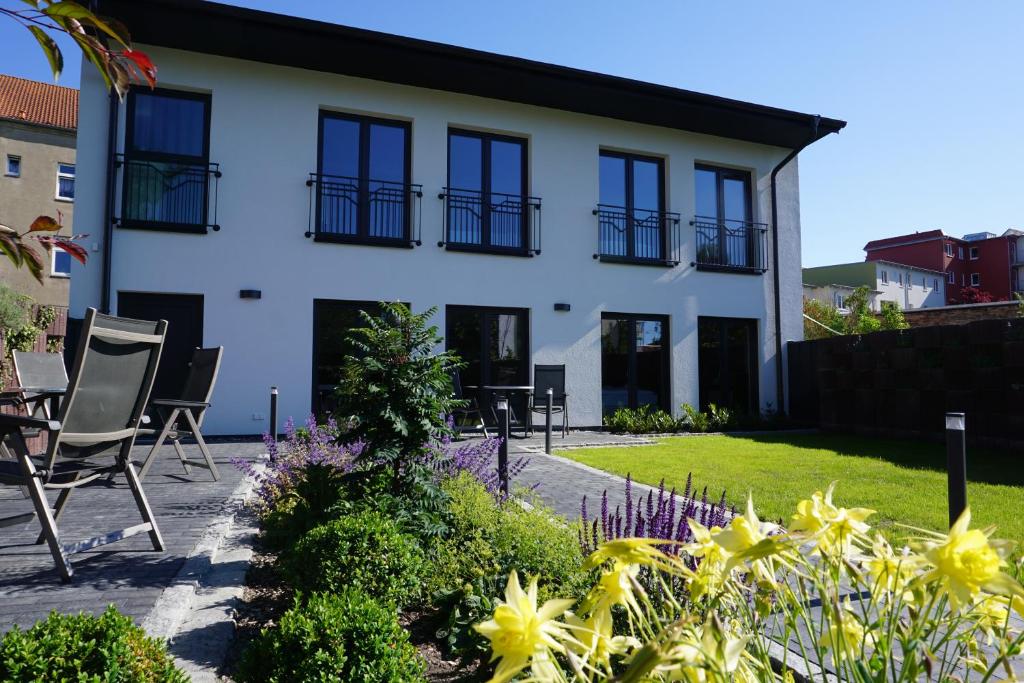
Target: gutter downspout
{"type": "Point", "coordinates": [108, 212]}
{"type": "Point", "coordinates": [780, 395]}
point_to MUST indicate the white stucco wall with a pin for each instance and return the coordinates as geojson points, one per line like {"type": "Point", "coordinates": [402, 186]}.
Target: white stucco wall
{"type": "Point", "coordinates": [921, 292]}
{"type": "Point", "coordinates": [264, 135]}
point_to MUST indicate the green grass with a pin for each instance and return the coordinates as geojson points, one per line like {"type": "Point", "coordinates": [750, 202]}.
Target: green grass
{"type": "Point", "coordinates": [904, 481]}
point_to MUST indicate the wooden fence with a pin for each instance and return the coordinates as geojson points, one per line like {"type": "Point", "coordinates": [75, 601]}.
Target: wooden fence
{"type": "Point", "coordinates": [901, 383]}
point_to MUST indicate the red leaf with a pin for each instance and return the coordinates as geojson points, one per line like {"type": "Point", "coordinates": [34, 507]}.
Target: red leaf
{"type": "Point", "coordinates": [77, 251]}
{"type": "Point", "coordinates": [45, 224]}
{"type": "Point", "coordinates": [31, 260]}
{"type": "Point", "coordinates": [143, 63]}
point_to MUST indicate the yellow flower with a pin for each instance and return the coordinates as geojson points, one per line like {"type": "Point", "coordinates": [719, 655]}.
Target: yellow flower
{"type": "Point", "coordinates": [991, 616]}
{"type": "Point", "coordinates": [810, 514]}
{"type": "Point", "coordinates": [710, 574]}
{"type": "Point", "coordinates": [890, 574]}
{"type": "Point", "coordinates": [616, 587]}
{"type": "Point", "coordinates": [834, 528]}
{"type": "Point", "coordinates": [846, 637]}
{"type": "Point", "coordinates": [965, 562]}
{"type": "Point", "coordinates": [746, 539]}
{"type": "Point", "coordinates": [627, 551]}
{"type": "Point", "coordinates": [519, 632]}
{"type": "Point", "coordinates": [595, 641]}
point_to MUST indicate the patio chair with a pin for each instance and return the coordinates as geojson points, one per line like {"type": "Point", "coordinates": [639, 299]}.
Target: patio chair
{"type": "Point", "coordinates": [550, 377]}
{"type": "Point", "coordinates": [190, 408]}
{"type": "Point", "coordinates": [93, 433]}
{"type": "Point", "coordinates": [471, 408]}
{"type": "Point", "coordinates": [36, 371]}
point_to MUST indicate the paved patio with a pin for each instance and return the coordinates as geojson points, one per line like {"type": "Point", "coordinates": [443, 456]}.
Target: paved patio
{"type": "Point", "coordinates": [129, 573]}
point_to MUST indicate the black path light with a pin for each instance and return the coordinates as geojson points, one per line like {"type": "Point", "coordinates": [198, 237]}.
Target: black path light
{"type": "Point", "coordinates": [956, 465]}
{"type": "Point", "coordinates": [503, 447]}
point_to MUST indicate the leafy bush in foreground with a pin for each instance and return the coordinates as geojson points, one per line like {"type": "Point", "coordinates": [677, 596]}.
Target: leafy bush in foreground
{"type": "Point", "coordinates": [347, 637]}
{"type": "Point", "coordinates": [82, 647]}
{"type": "Point", "coordinates": [364, 550]}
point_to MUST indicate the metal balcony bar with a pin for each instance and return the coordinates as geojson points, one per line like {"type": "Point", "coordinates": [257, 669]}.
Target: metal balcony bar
{"type": "Point", "coordinates": [363, 210]}
{"type": "Point", "coordinates": [730, 245]}
{"type": "Point", "coordinates": [493, 222]}
{"type": "Point", "coordinates": [167, 195]}
{"type": "Point", "coordinates": [641, 236]}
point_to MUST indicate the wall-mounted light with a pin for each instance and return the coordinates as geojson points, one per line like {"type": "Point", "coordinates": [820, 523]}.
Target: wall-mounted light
{"type": "Point", "coordinates": [562, 307]}
{"type": "Point", "coordinates": [250, 294]}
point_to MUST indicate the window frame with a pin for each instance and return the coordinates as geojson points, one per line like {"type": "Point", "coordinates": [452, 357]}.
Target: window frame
{"type": "Point", "coordinates": [485, 137]}
{"type": "Point", "coordinates": [628, 159]}
{"type": "Point", "coordinates": [57, 195]}
{"type": "Point", "coordinates": [53, 264]}
{"type": "Point", "coordinates": [723, 173]}
{"type": "Point", "coordinates": [16, 158]}
{"type": "Point", "coordinates": [973, 253]}
{"type": "Point", "coordinates": [960, 253]}
{"type": "Point", "coordinates": [884, 276]}
{"type": "Point", "coordinates": [951, 278]}
{"type": "Point", "coordinates": [130, 154]}
{"type": "Point", "coordinates": [362, 235]}
{"type": "Point", "coordinates": [948, 249]}
{"type": "Point", "coordinates": [975, 279]}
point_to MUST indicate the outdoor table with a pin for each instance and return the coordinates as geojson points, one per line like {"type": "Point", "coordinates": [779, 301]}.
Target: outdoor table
{"type": "Point", "coordinates": [505, 391]}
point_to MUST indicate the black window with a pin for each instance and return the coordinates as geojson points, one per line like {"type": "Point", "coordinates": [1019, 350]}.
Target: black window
{"type": "Point", "coordinates": [363, 179]}
{"type": "Point", "coordinates": [632, 207]}
{"type": "Point", "coordinates": [727, 237]}
{"type": "Point", "coordinates": [167, 160]}
{"type": "Point", "coordinates": [974, 253]}
{"type": "Point", "coordinates": [634, 361]}
{"type": "Point", "coordinates": [487, 192]}
{"type": "Point", "coordinates": [727, 363]}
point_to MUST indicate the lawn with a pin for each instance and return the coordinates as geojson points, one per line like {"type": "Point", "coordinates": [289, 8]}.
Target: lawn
{"type": "Point", "coordinates": [904, 481]}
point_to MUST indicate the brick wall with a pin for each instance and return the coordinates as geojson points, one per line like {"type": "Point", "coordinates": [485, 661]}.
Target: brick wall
{"type": "Point", "coordinates": [959, 315]}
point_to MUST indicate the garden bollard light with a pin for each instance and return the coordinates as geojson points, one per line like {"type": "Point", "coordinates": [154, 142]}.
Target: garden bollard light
{"type": "Point", "coordinates": [503, 447]}
{"type": "Point", "coordinates": [273, 413]}
{"type": "Point", "coordinates": [547, 424]}
{"type": "Point", "coordinates": [956, 465]}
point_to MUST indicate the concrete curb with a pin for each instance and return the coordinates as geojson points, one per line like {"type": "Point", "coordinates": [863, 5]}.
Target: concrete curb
{"type": "Point", "coordinates": [194, 613]}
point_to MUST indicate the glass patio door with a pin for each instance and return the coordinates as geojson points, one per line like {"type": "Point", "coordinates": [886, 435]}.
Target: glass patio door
{"type": "Point", "coordinates": [634, 361]}
{"type": "Point", "coordinates": [728, 363]}
{"type": "Point", "coordinates": [495, 345]}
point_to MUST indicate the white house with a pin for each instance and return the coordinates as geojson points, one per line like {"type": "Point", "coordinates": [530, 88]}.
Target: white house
{"type": "Point", "coordinates": [905, 286]}
{"type": "Point", "coordinates": [288, 172]}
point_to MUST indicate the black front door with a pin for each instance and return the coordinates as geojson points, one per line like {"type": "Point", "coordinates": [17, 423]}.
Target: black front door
{"type": "Point", "coordinates": [728, 363]}
{"type": "Point", "coordinates": [634, 361]}
{"type": "Point", "coordinates": [495, 345]}
{"type": "Point", "coordinates": [332, 321]}
{"type": "Point", "coordinates": [184, 316]}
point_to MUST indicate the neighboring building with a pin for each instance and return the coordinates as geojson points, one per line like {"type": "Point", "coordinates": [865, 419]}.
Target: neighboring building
{"type": "Point", "coordinates": [989, 262]}
{"type": "Point", "coordinates": [288, 172]}
{"type": "Point", "coordinates": [37, 153]}
{"type": "Point", "coordinates": [905, 286]}
{"type": "Point", "coordinates": [838, 295]}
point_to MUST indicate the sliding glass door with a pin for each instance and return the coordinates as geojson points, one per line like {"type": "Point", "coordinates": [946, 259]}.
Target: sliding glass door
{"type": "Point", "coordinates": [634, 361]}
{"type": "Point", "coordinates": [495, 345]}
{"type": "Point", "coordinates": [728, 363]}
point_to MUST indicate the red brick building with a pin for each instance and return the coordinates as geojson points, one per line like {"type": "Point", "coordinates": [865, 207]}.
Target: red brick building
{"type": "Point", "coordinates": [991, 263]}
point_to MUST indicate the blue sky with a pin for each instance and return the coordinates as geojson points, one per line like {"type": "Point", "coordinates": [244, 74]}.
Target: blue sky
{"type": "Point", "coordinates": [933, 91]}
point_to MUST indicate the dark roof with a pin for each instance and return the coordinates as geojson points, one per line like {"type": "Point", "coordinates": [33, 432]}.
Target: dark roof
{"type": "Point", "coordinates": [43, 104]}
{"type": "Point", "coordinates": [902, 240]}
{"type": "Point", "coordinates": [230, 31]}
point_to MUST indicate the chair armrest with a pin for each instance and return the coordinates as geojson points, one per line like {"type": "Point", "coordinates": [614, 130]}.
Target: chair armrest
{"type": "Point", "coordinates": [172, 403]}
{"type": "Point", "coordinates": [9, 423]}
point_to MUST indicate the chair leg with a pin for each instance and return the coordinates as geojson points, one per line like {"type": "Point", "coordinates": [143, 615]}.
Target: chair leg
{"type": "Point", "coordinates": [148, 462]}
{"type": "Point", "coordinates": [46, 519]}
{"type": "Point", "coordinates": [58, 510]}
{"type": "Point", "coordinates": [140, 500]}
{"type": "Point", "coordinates": [198, 436]}
{"type": "Point", "coordinates": [181, 456]}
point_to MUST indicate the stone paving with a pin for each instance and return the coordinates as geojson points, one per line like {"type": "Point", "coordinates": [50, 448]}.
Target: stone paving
{"type": "Point", "coordinates": [129, 573]}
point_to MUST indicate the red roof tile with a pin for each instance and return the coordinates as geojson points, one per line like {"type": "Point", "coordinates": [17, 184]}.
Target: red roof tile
{"type": "Point", "coordinates": [39, 103]}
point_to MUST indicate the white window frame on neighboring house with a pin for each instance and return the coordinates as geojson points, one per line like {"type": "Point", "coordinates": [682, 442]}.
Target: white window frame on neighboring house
{"type": "Point", "coordinates": [960, 253]}
{"type": "Point", "coordinates": [884, 275]}
{"type": "Point", "coordinates": [935, 283]}
{"type": "Point", "coordinates": [975, 279]}
{"type": "Point", "coordinates": [64, 175]}
{"type": "Point", "coordinates": [973, 253]}
{"type": "Point", "coordinates": [839, 300]}
{"type": "Point", "coordinates": [949, 249]}
{"type": "Point", "coordinates": [952, 278]}
{"type": "Point", "coordinates": [899, 278]}
{"type": "Point", "coordinates": [16, 160]}
{"type": "Point", "coordinates": [53, 263]}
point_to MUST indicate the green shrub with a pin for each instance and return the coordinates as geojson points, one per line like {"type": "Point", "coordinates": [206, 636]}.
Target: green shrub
{"type": "Point", "coordinates": [693, 420]}
{"type": "Point", "coordinates": [642, 420]}
{"type": "Point", "coordinates": [488, 539]}
{"type": "Point", "coordinates": [364, 550]}
{"type": "Point", "coordinates": [83, 647]}
{"type": "Point", "coordinates": [343, 637]}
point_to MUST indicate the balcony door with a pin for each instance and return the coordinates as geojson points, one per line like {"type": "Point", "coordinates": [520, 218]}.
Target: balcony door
{"type": "Point", "coordinates": [634, 361]}
{"type": "Point", "coordinates": [184, 316]}
{"type": "Point", "coordinates": [363, 179]}
{"type": "Point", "coordinates": [725, 236]}
{"type": "Point", "coordinates": [728, 363]}
{"type": "Point", "coordinates": [495, 345]}
{"type": "Point", "coordinates": [632, 201]}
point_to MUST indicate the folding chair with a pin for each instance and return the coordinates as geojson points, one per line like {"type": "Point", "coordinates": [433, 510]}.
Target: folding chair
{"type": "Point", "coordinates": [470, 409]}
{"type": "Point", "coordinates": [191, 407]}
{"type": "Point", "coordinates": [93, 432]}
{"type": "Point", "coordinates": [550, 377]}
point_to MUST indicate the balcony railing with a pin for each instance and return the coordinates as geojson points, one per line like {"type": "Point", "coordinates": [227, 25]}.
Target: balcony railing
{"type": "Point", "coordinates": [364, 211]}
{"type": "Point", "coordinates": [492, 222]}
{"type": "Point", "coordinates": [167, 195]}
{"type": "Point", "coordinates": [639, 236]}
{"type": "Point", "coordinates": [731, 245]}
